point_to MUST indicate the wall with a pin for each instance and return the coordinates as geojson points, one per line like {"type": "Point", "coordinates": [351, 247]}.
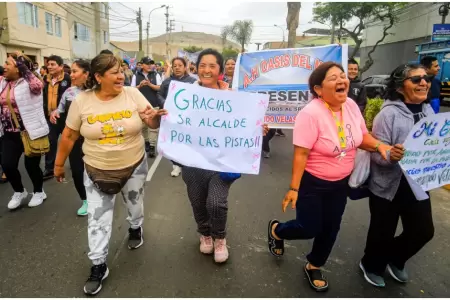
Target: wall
{"type": "Point", "coordinates": [414, 22]}
{"type": "Point", "coordinates": [31, 40]}
{"type": "Point", "coordinates": [414, 26]}
{"type": "Point", "coordinates": [89, 15]}
{"type": "Point", "coordinates": [388, 56]}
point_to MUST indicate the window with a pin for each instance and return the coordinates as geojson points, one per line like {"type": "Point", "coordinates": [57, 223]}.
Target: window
{"type": "Point", "coordinates": [49, 23]}
{"type": "Point", "coordinates": [28, 14]}
{"type": "Point", "coordinates": [82, 32]}
{"type": "Point", "coordinates": [105, 37]}
{"type": "Point", "coordinates": [58, 26]}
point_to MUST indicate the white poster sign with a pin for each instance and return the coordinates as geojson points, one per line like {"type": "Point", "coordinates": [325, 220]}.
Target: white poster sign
{"type": "Point", "coordinates": [211, 129]}
{"type": "Point", "coordinates": [427, 156]}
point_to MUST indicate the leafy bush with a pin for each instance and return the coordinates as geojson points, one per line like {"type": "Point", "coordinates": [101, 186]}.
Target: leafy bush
{"type": "Point", "coordinates": [373, 107]}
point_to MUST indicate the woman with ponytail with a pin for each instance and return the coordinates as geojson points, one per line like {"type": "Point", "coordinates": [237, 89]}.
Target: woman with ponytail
{"type": "Point", "coordinates": [21, 110]}
{"type": "Point", "coordinates": [79, 74]}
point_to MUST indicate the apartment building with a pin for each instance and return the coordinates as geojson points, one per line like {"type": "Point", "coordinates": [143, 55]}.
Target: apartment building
{"type": "Point", "coordinates": [40, 29]}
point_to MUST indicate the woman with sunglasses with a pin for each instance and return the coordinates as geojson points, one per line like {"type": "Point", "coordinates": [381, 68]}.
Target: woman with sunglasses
{"type": "Point", "coordinates": [391, 194]}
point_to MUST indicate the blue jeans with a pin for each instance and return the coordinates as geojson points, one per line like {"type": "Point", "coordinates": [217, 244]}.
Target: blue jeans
{"type": "Point", "coordinates": [319, 209]}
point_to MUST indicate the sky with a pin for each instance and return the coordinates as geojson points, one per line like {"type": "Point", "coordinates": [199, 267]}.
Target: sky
{"type": "Point", "coordinates": [208, 17]}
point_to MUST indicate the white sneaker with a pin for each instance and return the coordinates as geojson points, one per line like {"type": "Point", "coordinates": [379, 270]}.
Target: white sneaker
{"type": "Point", "coordinates": [17, 199]}
{"type": "Point", "coordinates": [37, 199]}
{"type": "Point", "coordinates": [176, 171]}
{"type": "Point", "coordinates": [206, 244]}
{"type": "Point", "coordinates": [220, 251]}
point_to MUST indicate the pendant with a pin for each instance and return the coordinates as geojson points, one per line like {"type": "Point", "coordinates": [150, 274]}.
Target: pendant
{"type": "Point", "coordinates": [341, 155]}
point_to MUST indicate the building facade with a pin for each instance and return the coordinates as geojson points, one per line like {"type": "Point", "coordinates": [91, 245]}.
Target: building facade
{"type": "Point", "coordinates": [414, 26]}
{"type": "Point", "coordinates": [70, 30]}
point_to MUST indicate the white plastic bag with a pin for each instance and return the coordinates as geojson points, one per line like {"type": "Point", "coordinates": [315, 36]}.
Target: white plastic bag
{"type": "Point", "coordinates": [361, 171]}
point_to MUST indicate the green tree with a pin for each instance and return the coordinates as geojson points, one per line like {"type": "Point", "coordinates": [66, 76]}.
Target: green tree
{"type": "Point", "coordinates": [341, 13]}
{"type": "Point", "coordinates": [192, 49]}
{"type": "Point", "coordinates": [292, 22]}
{"type": "Point", "coordinates": [240, 31]}
{"type": "Point", "coordinates": [229, 52]}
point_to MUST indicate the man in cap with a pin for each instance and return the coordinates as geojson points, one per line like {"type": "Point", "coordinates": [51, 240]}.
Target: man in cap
{"type": "Point", "coordinates": [148, 82]}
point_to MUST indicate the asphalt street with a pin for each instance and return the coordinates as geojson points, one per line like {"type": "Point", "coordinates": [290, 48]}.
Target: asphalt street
{"type": "Point", "coordinates": [43, 249]}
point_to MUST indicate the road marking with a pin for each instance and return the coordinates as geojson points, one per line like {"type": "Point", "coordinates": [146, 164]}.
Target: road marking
{"type": "Point", "coordinates": [153, 167]}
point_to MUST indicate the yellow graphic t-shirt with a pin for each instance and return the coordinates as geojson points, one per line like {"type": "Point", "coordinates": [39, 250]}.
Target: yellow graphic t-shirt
{"type": "Point", "coordinates": [111, 129]}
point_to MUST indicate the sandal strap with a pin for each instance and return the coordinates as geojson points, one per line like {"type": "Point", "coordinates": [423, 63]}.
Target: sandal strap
{"type": "Point", "coordinates": [316, 274]}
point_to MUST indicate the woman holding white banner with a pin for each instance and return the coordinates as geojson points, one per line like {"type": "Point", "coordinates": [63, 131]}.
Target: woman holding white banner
{"type": "Point", "coordinates": [327, 133]}
{"type": "Point", "coordinates": [208, 190]}
{"type": "Point", "coordinates": [392, 196]}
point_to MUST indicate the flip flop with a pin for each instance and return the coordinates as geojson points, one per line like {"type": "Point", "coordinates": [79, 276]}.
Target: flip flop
{"type": "Point", "coordinates": [316, 274]}
{"type": "Point", "coordinates": [276, 247]}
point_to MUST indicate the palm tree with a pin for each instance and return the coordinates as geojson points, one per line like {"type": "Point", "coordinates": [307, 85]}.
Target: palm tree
{"type": "Point", "coordinates": [240, 31]}
{"type": "Point", "coordinates": [292, 22]}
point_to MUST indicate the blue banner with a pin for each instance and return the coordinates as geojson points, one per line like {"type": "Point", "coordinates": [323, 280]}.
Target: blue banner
{"type": "Point", "coordinates": [284, 74]}
{"type": "Point", "coordinates": [441, 32]}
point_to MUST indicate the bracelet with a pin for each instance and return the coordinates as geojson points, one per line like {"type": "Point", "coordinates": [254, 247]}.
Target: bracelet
{"type": "Point", "coordinates": [292, 189]}
{"type": "Point", "coordinates": [376, 147]}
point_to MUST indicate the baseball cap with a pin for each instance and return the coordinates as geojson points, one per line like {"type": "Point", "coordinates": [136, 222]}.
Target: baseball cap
{"type": "Point", "coordinates": [147, 61]}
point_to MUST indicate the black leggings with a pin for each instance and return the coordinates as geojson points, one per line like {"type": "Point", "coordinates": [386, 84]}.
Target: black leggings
{"type": "Point", "coordinates": [382, 246]}
{"type": "Point", "coordinates": [12, 149]}
{"type": "Point", "coordinates": [77, 167]}
{"type": "Point", "coordinates": [267, 138]}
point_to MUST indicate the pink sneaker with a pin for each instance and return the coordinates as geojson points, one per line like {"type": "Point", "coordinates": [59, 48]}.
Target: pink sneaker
{"type": "Point", "coordinates": [220, 251]}
{"type": "Point", "coordinates": [206, 244]}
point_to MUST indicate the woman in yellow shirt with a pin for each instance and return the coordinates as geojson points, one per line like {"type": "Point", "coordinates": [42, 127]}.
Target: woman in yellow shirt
{"type": "Point", "coordinates": [109, 116]}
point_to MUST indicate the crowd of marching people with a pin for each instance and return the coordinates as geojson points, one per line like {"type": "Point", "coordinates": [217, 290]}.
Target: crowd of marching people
{"type": "Point", "coordinates": [104, 117]}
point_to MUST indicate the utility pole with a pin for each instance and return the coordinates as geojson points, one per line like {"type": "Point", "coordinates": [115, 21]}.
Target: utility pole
{"type": "Point", "coordinates": [148, 26]}
{"type": "Point", "coordinates": [443, 11]}
{"type": "Point", "coordinates": [333, 29]}
{"type": "Point", "coordinates": [139, 21]}
{"type": "Point", "coordinates": [167, 31]}
{"type": "Point", "coordinates": [148, 29]}
{"type": "Point", "coordinates": [258, 44]}
{"type": "Point", "coordinates": [172, 28]}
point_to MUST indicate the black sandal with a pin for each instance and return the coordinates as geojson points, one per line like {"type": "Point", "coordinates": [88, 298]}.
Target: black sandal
{"type": "Point", "coordinates": [316, 274]}
{"type": "Point", "coordinates": [276, 247]}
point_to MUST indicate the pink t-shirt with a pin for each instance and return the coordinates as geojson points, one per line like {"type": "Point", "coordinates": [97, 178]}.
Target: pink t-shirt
{"type": "Point", "coordinates": [315, 129]}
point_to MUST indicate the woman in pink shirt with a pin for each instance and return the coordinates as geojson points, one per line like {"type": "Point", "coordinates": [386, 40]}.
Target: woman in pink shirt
{"type": "Point", "coordinates": [327, 133]}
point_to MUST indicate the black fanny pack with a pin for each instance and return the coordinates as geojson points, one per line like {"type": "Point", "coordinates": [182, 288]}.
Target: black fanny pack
{"type": "Point", "coordinates": [111, 182]}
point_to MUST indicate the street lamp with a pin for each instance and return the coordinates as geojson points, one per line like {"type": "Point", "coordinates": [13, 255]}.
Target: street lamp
{"type": "Point", "coordinates": [148, 23]}
{"type": "Point", "coordinates": [278, 26]}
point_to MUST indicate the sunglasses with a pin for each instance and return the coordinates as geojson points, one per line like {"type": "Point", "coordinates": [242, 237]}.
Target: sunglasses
{"type": "Point", "coordinates": [418, 79]}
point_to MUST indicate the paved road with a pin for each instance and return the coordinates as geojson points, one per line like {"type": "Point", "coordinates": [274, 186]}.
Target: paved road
{"type": "Point", "coordinates": [43, 250]}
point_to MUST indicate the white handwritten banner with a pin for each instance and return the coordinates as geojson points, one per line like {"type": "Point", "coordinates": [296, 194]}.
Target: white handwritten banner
{"type": "Point", "coordinates": [427, 156]}
{"type": "Point", "coordinates": [211, 129]}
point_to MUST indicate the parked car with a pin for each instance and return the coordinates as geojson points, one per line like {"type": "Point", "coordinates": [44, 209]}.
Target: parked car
{"type": "Point", "coordinates": [375, 85]}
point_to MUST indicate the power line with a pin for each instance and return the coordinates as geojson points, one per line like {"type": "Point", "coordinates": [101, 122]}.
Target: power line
{"type": "Point", "coordinates": [109, 6]}
{"type": "Point", "coordinates": [119, 18]}
{"type": "Point", "coordinates": [134, 11]}
{"type": "Point", "coordinates": [76, 17]}
{"type": "Point", "coordinates": [132, 22]}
